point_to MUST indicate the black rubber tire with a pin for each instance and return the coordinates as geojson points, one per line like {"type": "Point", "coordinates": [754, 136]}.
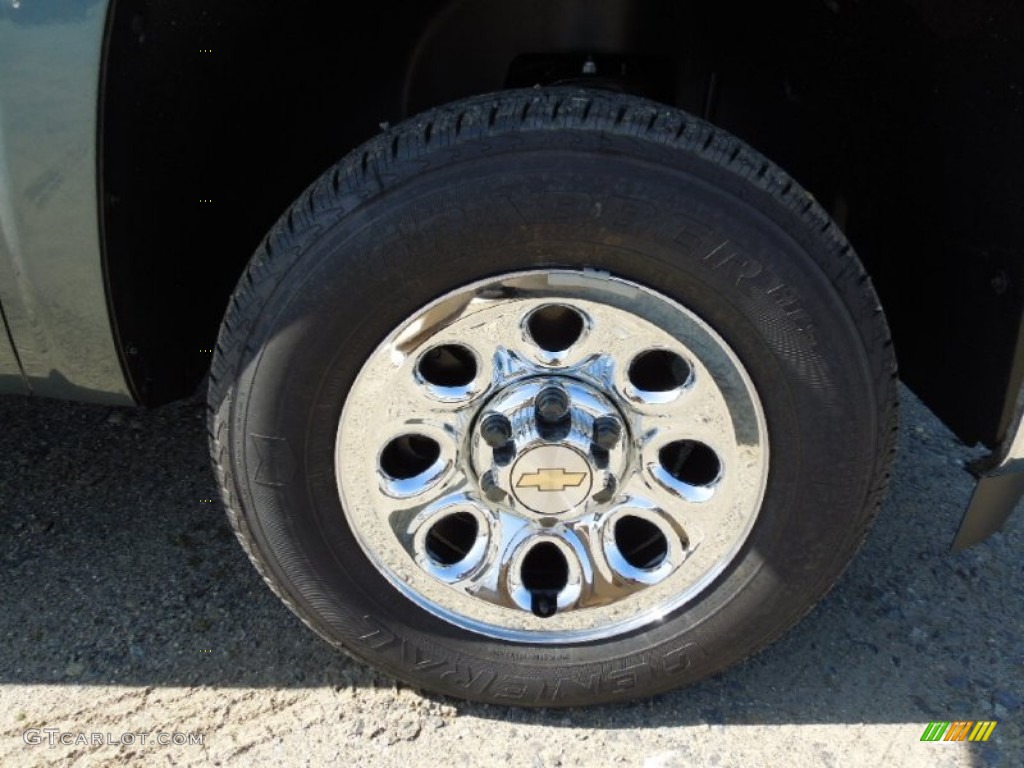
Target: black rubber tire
{"type": "Point", "coordinates": [546, 178]}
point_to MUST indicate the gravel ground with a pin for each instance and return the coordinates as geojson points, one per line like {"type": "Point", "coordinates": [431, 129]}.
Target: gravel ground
{"type": "Point", "coordinates": [127, 607]}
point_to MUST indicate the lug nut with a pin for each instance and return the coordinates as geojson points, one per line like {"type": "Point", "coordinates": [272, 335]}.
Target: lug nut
{"type": "Point", "coordinates": [607, 431]}
{"type": "Point", "coordinates": [490, 488]}
{"type": "Point", "coordinates": [496, 430]}
{"type": "Point", "coordinates": [606, 493]}
{"type": "Point", "coordinates": [551, 405]}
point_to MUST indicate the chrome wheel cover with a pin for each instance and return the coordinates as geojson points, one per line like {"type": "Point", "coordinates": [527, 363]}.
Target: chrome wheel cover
{"type": "Point", "coordinates": [552, 456]}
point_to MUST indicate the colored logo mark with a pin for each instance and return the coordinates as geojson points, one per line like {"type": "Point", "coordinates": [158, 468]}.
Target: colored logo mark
{"type": "Point", "coordinates": [551, 480]}
{"type": "Point", "coordinates": [959, 730]}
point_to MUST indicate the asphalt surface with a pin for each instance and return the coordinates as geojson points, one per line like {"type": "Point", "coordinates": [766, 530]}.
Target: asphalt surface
{"type": "Point", "coordinates": [126, 607]}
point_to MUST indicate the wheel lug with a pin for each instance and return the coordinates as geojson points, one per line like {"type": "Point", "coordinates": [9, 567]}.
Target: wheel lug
{"type": "Point", "coordinates": [496, 430]}
{"type": "Point", "coordinates": [504, 454]}
{"type": "Point", "coordinates": [607, 431]}
{"type": "Point", "coordinates": [490, 487]}
{"type": "Point", "coordinates": [551, 405]}
{"type": "Point", "coordinates": [606, 493]}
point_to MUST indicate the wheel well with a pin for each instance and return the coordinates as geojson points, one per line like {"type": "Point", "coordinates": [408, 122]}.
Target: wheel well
{"type": "Point", "coordinates": [902, 118]}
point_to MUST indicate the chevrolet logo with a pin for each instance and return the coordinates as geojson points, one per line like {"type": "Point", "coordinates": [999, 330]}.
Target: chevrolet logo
{"type": "Point", "coordinates": [551, 479]}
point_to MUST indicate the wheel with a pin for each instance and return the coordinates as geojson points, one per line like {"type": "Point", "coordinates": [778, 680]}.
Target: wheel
{"type": "Point", "coordinates": [552, 397]}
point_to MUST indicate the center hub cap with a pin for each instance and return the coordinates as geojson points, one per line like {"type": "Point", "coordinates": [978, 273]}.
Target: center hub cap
{"type": "Point", "coordinates": [551, 479]}
{"type": "Point", "coordinates": [550, 448]}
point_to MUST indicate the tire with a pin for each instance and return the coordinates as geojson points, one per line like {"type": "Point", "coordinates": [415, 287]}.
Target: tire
{"type": "Point", "coordinates": [569, 199]}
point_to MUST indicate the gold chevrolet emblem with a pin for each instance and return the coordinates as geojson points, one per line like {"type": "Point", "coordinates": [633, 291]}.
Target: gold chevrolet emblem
{"type": "Point", "coordinates": [551, 479]}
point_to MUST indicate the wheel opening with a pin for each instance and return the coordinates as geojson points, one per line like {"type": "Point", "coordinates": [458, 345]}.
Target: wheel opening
{"type": "Point", "coordinates": [690, 462]}
{"type": "Point", "coordinates": [544, 573]}
{"type": "Point", "coordinates": [555, 328]}
{"type": "Point", "coordinates": [408, 456]}
{"type": "Point", "coordinates": [641, 542]}
{"type": "Point", "coordinates": [659, 370]}
{"type": "Point", "coordinates": [449, 365]}
{"type": "Point", "coordinates": [450, 538]}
